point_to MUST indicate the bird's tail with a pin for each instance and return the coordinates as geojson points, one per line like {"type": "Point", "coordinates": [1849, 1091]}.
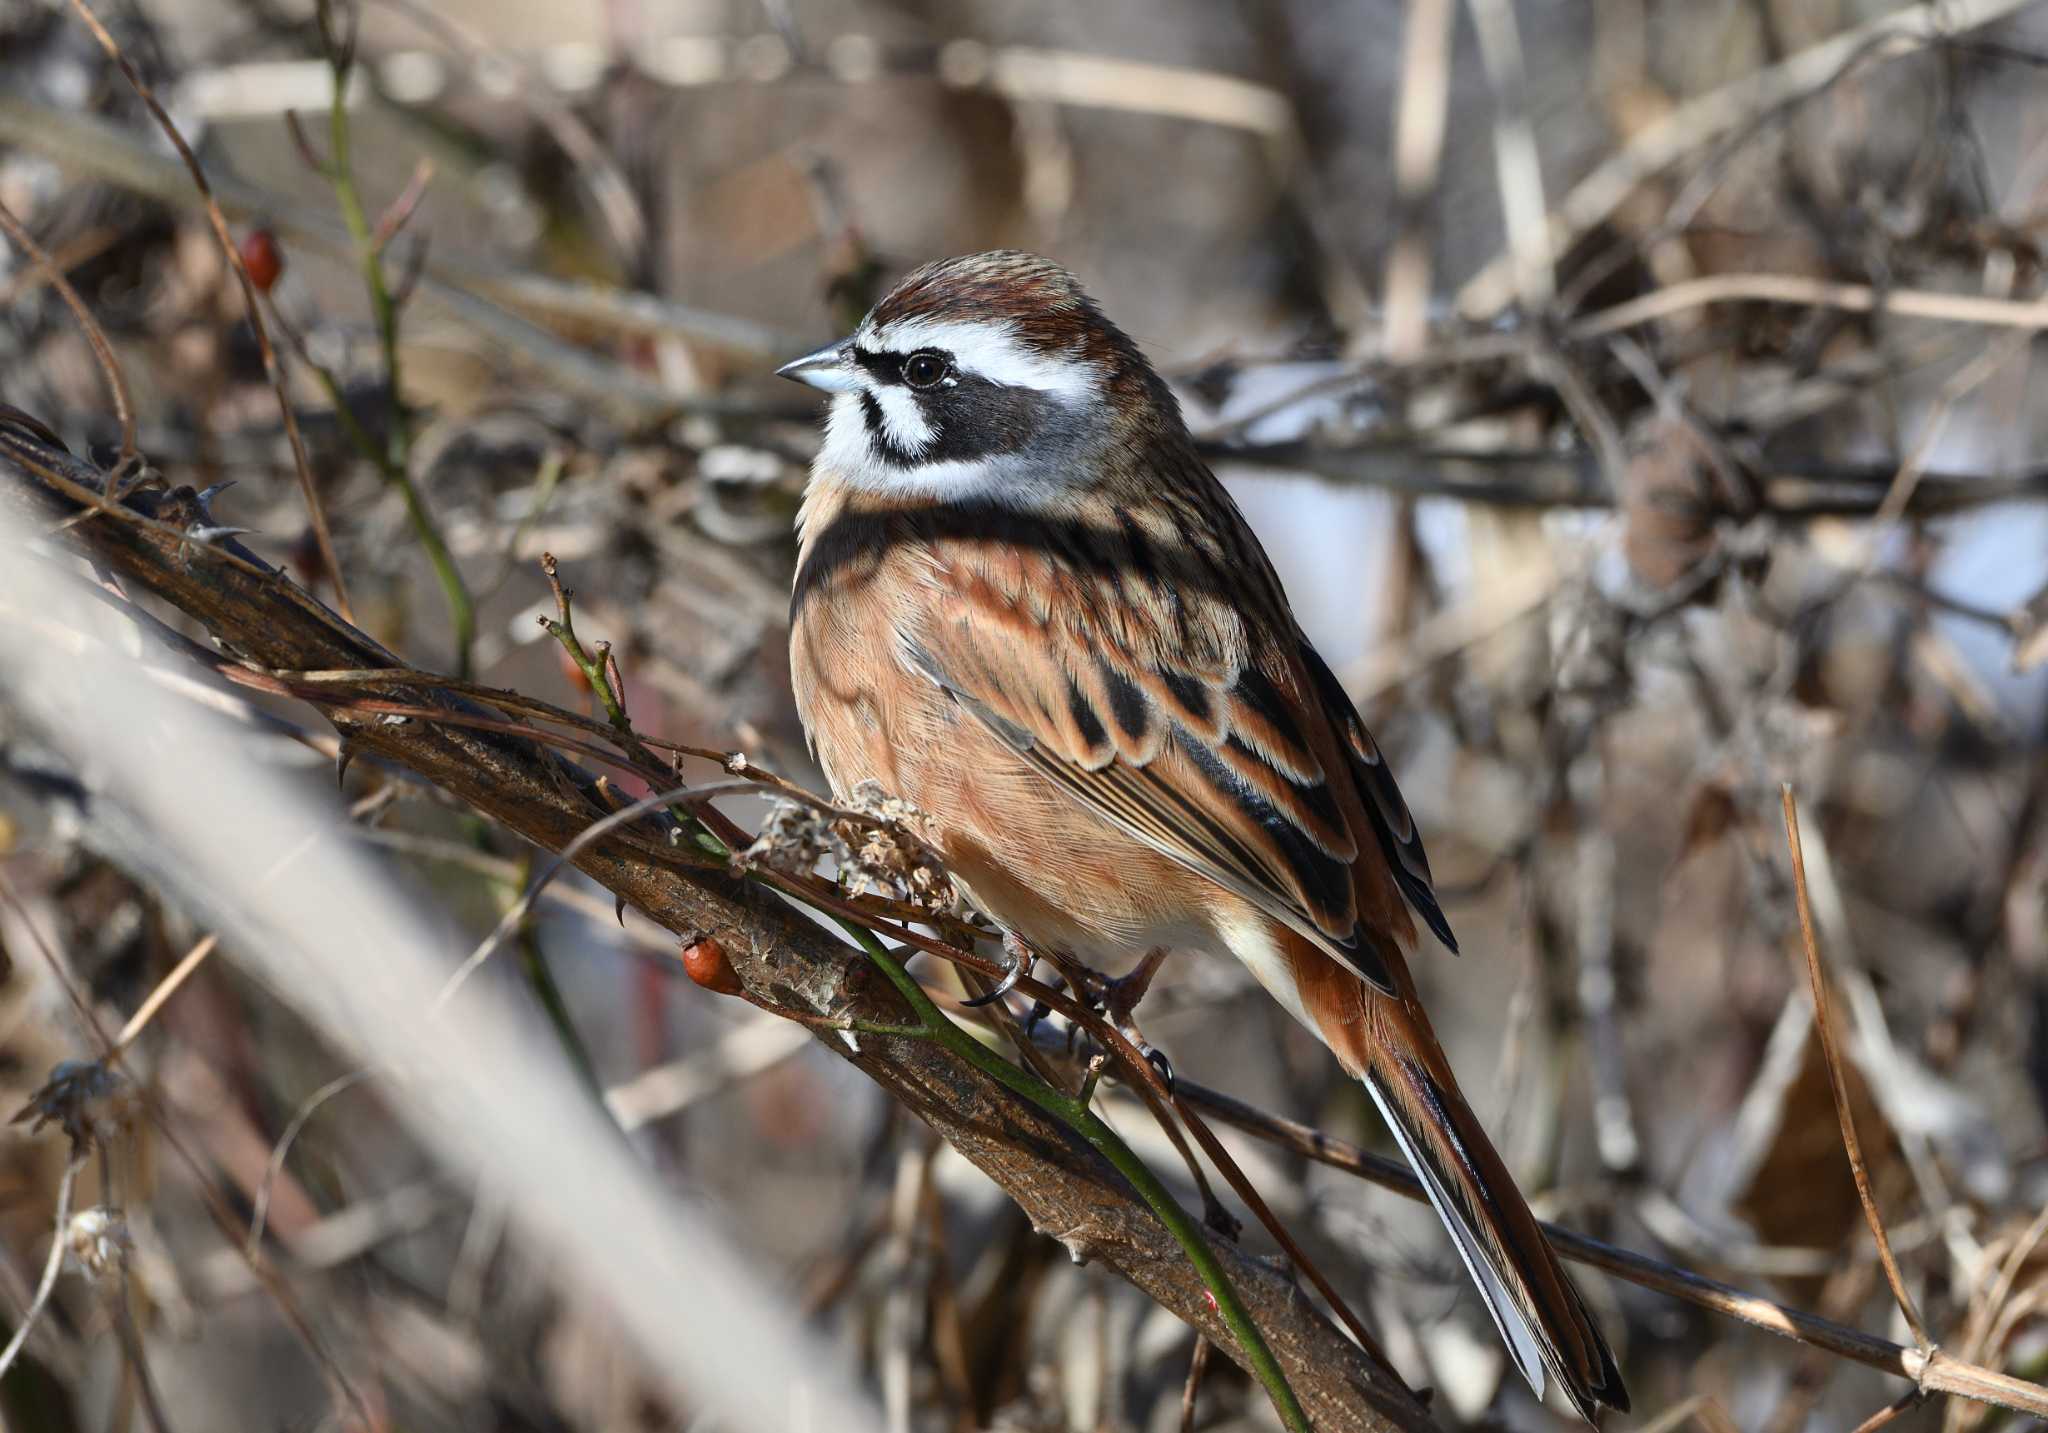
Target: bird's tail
{"type": "Point", "coordinates": [1534, 1304]}
{"type": "Point", "coordinates": [1385, 1040]}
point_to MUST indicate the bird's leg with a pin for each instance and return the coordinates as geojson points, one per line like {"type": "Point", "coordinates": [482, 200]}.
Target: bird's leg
{"type": "Point", "coordinates": [1021, 957]}
{"type": "Point", "coordinates": [1039, 1009]}
{"type": "Point", "coordinates": [1118, 1001]}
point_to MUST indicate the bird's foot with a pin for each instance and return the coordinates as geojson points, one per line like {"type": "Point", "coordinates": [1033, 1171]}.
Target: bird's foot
{"type": "Point", "coordinates": [1117, 1000]}
{"type": "Point", "coordinates": [1021, 958]}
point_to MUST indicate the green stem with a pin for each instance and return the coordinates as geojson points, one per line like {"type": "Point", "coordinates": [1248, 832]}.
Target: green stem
{"type": "Point", "coordinates": [533, 962]}
{"type": "Point", "coordinates": [1076, 1115]}
{"type": "Point", "coordinates": [394, 459]}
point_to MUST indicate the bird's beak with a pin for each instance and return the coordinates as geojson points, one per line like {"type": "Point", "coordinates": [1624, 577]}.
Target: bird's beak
{"type": "Point", "coordinates": [830, 368]}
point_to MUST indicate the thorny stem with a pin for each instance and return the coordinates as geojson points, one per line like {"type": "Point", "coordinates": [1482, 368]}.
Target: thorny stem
{"type": "Point", "coordinates": [596, 669]}
{"type": "Point", "coordinates": [393, 460]}
{"type": "Point", "coordinates": [1075, 1112]}
{"type": "Point", "coordinates": [1076, 1115]}
{"type": "Point", "coordinates": [601, 671]}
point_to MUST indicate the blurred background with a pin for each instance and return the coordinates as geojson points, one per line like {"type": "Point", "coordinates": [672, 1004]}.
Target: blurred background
{"type": "Point", "coordinates": [1727, 473]}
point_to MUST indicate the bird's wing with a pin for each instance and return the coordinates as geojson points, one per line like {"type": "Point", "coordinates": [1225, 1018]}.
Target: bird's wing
{"type": "Point", "coordinates": [1221, 742]}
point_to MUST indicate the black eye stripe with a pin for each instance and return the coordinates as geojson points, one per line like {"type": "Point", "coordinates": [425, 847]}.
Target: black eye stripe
{"type": "Point", "coordinates": [888, 367]}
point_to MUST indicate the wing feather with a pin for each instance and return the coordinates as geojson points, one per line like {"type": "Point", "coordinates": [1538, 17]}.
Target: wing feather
{"type": "Point", "coordinates": [1151, 670]}
{"type": "Point", "coordinates": [1225, 778]}
{"type": "Point", "coordinates": [1393, 823]}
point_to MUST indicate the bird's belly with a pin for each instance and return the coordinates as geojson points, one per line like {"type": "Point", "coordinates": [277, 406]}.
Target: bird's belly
{"type": "Point", "coordinates": [1032, 858]}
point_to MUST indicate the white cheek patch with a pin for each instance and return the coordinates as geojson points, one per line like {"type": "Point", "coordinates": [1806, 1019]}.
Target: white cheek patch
{"type": "Point", "coordinates": [992, 351]}
{"type": "Point", "coordinates": [850, 455]}
{"type": "Point", "coordinates": [848, 448]}
{"type": "Point", "coordinates": [902, 419]}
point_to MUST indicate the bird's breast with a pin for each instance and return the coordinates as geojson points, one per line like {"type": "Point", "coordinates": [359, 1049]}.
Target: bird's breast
{"type": "Point", "coordinates": [1029, 855]}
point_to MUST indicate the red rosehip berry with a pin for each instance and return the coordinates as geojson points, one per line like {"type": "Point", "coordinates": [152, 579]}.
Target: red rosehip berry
{"type": "Point", "coordinates": [262, 258]}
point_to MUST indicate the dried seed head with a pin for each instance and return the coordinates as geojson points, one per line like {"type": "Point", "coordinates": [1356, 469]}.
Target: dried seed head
{"type": "Point", "coordinates": [98, 1242]}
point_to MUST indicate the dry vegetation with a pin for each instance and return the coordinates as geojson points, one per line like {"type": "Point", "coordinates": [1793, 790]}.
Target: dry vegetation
{"type": "Point", "coordinates": [1639, 396]}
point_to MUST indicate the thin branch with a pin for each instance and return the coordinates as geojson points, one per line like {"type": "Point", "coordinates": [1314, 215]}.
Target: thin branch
{"type": "Point", "coordinates": [393, 457]}
{"type": "Point", "coordinates": [1198, 1365]}
{"type": "Point", "coordinates": [1420, 106]}
{"type": "Point", "coordinates": [58, 1239]}
{"type": "Point", "coordinates": [1517, 166]}
{"type": "Point", "coordinates": [2030, 315]}
{"type": "Point", "coordinates": [165, 989]}
{"type": "Point", "coordinates": [1838, 1081]}
{"type": "Point", "coordinates": [1912, 1398]}
{"type": "Point", "coordinates": [590, 835]}
{"type": "Point", "coordinates": [259, 1210]}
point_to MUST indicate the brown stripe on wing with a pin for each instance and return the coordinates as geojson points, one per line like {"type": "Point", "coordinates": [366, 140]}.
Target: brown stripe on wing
{"type": "Point", "coordinates": [1392, 822]}
{"type": "Point", "coordinates": [1271, 831]}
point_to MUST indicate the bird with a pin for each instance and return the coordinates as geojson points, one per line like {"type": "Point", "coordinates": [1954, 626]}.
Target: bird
{"type": "Point", "coordinates": [1024, 605]}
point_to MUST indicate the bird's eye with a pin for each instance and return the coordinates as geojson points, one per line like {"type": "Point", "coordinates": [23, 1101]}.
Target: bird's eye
{"type": "Point", "coordinates": [926, 369]}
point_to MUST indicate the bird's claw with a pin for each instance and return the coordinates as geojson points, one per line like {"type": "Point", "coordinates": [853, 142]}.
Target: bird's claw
{"type": "Point", "coordinates": [1156, 1058]}
{"type": "Point", "coordinates": [1003, 987]}
{"type": "Point", "coordinates": [1021, 960]}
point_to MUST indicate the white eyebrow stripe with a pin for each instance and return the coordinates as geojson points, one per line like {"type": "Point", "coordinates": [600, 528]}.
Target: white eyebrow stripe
{"type": "Point", "coordinates": [992, 351]}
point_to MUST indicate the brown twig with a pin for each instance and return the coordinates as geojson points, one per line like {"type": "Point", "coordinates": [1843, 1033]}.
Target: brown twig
{"type": "Point", "coordinates": [1198, 1365]}
{"type": "Point", "coordinates": [1420, 107]}
{"type": "Point", "coordinates": [165, 989]}
{"type": "Point", "coordinates": [1912, 1398]}
{"type": "Point", "coordinates": [1931, 1370]}
{"type": "Point", "coordinates": [1838, 1081]}
{"type": "Point", "coordinates": [2029, 315]}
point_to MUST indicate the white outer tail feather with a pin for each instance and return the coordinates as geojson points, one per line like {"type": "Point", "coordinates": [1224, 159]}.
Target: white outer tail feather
{"type": "Point", "coordinates": [1515, 1332]}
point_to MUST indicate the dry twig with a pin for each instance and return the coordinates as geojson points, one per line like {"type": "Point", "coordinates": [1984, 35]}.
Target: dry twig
{"type": "Point", "coordinates": [1824, 1023]}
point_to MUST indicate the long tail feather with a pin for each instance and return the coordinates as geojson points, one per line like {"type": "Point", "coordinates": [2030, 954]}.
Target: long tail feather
{"type": "Point", "coordinates": [1386, 1042]}
{"type": "Point", "coordinates": [1540, 1315]}
{"type": "Point", "coordinates": [1515, 1332]}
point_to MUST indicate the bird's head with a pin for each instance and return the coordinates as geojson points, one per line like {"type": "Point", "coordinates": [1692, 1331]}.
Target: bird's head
{"type": "Point", "coordinates": [991, 376]}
